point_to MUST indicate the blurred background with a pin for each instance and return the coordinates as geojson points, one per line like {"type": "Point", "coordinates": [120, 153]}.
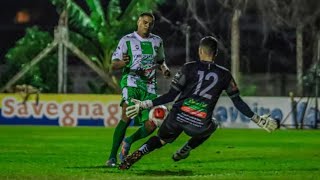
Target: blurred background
{"type": "Point", "coordinates": [64, 46]}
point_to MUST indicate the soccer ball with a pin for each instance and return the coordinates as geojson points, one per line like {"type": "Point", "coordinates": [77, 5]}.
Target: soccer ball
{"type": "Point", "coordinates": [157, 114]}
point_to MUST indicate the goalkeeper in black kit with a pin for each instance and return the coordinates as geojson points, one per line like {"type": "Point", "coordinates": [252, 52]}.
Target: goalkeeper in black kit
{"type": "Point", "coordinates": [199, 84]}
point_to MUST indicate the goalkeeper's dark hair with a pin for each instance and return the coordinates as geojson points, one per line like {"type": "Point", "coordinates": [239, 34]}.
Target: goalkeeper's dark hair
{"type": "Point", "coordinates": [210, 45]}
{"type": "Point", "coordinates": [147, 14]}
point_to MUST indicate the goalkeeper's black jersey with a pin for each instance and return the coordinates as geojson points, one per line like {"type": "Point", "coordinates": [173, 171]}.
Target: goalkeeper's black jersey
{"type": "Point", "coordinates": [201, 85]}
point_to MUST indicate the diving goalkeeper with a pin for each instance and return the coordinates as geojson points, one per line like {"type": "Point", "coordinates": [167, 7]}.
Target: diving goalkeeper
{"type": "Point", "coordinates": [199, 84]}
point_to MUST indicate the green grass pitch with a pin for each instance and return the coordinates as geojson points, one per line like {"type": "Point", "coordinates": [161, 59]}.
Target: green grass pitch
{"type": "Point", "coordinates": [42, 152]}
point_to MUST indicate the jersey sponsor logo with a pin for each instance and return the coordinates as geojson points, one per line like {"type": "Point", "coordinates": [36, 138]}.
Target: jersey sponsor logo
{"type": "Point", "coordinates": [195, 108]}
{"type": "Point", "coordinates": [144, 57]}
{"type": "Point", "coordinates": [147, 57]}
{"type": "Point", "coordinates": [194, 112]}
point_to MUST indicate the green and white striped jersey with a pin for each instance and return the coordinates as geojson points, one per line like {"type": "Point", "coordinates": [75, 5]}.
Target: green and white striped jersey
{"type": "Point", "coordinates": [145, 54]}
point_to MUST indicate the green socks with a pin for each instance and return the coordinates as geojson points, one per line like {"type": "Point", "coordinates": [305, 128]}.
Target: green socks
{"type": "Point", "coordinates": [142, 132]}
{"type": "Point", "coordinates": [118, 136]}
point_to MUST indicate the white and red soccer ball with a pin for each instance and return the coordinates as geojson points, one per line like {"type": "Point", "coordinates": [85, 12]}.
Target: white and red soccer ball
{"type": "Point", "coordinates": [157, 114]}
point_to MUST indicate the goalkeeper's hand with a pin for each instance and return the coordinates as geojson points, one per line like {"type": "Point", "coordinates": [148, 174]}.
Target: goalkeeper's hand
{"type": "Point", "coordinates": [265, 121]}
{"type": "Point", "coordinates": [133, 111]}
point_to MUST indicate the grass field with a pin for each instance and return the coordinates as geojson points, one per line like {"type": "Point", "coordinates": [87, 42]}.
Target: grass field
{"type": "Point", "coordinates": [40, 152]}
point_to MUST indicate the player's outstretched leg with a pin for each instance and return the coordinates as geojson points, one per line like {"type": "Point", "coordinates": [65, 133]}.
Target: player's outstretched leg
{"type": "Point", "coordinates": [130, 160]}
{"type": "Point", "coordinates": [182, 153]}
{"type": "Point", "coordinates": [153, 143]}
{"type": "Point", "coordinates": [125, 148]}
{"type": "Point", "coordinates": [194, 142]}
{"type": "Point", "coordinates": [145, 130]}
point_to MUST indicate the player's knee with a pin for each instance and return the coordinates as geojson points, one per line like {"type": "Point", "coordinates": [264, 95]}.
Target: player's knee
{"type": "Point", "coordinates": [150, 126]}
{"type": "Point", "coordinates": [163, 142]}
{"type": "Point", "coordinates": [124, 117]}
{"type": "Point", "coordinates": [155, 142]}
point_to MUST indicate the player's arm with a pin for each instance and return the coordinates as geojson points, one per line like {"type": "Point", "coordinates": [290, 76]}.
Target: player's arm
{"type": "Point", "coordinates": [119, 64]}
{"type": "Point", "coordinates": [165, 70]}
{"type": "Point", "coordinates": [161, 62]}
{"type": "Point", "coordinates": [242, 106]}
{"type": "Point", "coordinates": [177, 85]}
{"type": "Point", "coordinates": [120, 58]}
{"type": "Point", "coordinates": [166, 98]}
{"type": "Point", "coordinates": [263, 121]}
{"type": "Point", "coordinates": [133, 111]}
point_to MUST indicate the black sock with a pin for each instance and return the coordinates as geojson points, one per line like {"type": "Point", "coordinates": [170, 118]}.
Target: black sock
{"type": "Point", "coordinates": [152, 144]}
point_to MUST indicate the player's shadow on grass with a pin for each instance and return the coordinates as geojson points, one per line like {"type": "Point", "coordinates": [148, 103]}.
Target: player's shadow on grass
{"type": "Point", "coordinates": [165, 173]}
{"type": "Point", "coordinates": [87, 167]}
{"type": "Point", "coordinates": [96, 169]}
{"type": "Point", "coordinates": [137, 172]}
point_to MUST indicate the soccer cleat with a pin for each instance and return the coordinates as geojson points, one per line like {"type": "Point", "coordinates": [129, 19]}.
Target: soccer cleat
{"type": "Point", "coordinates": [125, 148]}
{"type": "Point", "coordinates": [130, 160]}
{"type": "Point", "coordinates": [112, 162]}
{"type": "Point", "coordinates": [182, 153]}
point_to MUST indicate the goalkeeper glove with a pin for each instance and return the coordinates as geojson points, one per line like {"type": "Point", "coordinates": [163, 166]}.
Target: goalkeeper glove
{"type": "Point", "coordinates": [133, 111]}
{"type": "Point", "coordinates": [265, 122]}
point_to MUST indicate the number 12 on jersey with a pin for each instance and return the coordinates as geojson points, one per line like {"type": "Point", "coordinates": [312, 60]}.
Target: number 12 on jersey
{"type": "Point", "coordinates": [212, 79]}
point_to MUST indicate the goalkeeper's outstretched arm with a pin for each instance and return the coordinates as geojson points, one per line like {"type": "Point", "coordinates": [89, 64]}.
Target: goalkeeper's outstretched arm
{"type": "Point", "coordinates": [242, 106]}
{"type": "Point", "coordinates": [264, 121]}
{"type": "Point", "coordinates": [163, 99]}
{"type": "Point", "coordinates": [166, 98]}
{"type": "Point", "coordinates": [133, 111]}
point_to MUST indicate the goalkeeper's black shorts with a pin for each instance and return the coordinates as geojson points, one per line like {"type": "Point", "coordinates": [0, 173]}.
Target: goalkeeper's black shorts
{"type": "Point", "coordinates": [171, 128]}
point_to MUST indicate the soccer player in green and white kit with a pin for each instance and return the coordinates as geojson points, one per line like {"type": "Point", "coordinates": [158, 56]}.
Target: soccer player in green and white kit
{"type": "Point", "coordinates": [139, 54]}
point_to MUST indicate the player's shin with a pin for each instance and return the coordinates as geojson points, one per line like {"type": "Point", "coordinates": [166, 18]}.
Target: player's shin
{"type": "Point", "coordinates": [153, 143]}
{"type": "Point", "coordinates": [197, 141]}
{"type": "Point", "coordinates": [118, 135]}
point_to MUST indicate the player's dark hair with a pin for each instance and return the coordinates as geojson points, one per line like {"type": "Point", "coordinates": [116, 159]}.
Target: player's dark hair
{"type": "Point", "coordinates": [210, 44]}
{"type": "Point", "coordinates": [147, 14]}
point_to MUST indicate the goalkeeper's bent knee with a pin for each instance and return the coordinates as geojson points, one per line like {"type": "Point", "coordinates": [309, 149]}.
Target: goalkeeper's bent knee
{"type": "Point", "coordinates": [154, 142]}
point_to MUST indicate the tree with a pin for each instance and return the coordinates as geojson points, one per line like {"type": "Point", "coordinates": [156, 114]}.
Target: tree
{"type": "Point", "coordinates": [295, 14]}
{"type": "Point", "coordinates": [236, 7]}
{"type": "Point", "coordinates": [220, 19]}
{"type": "Point", "coordinates": [44, 74]}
